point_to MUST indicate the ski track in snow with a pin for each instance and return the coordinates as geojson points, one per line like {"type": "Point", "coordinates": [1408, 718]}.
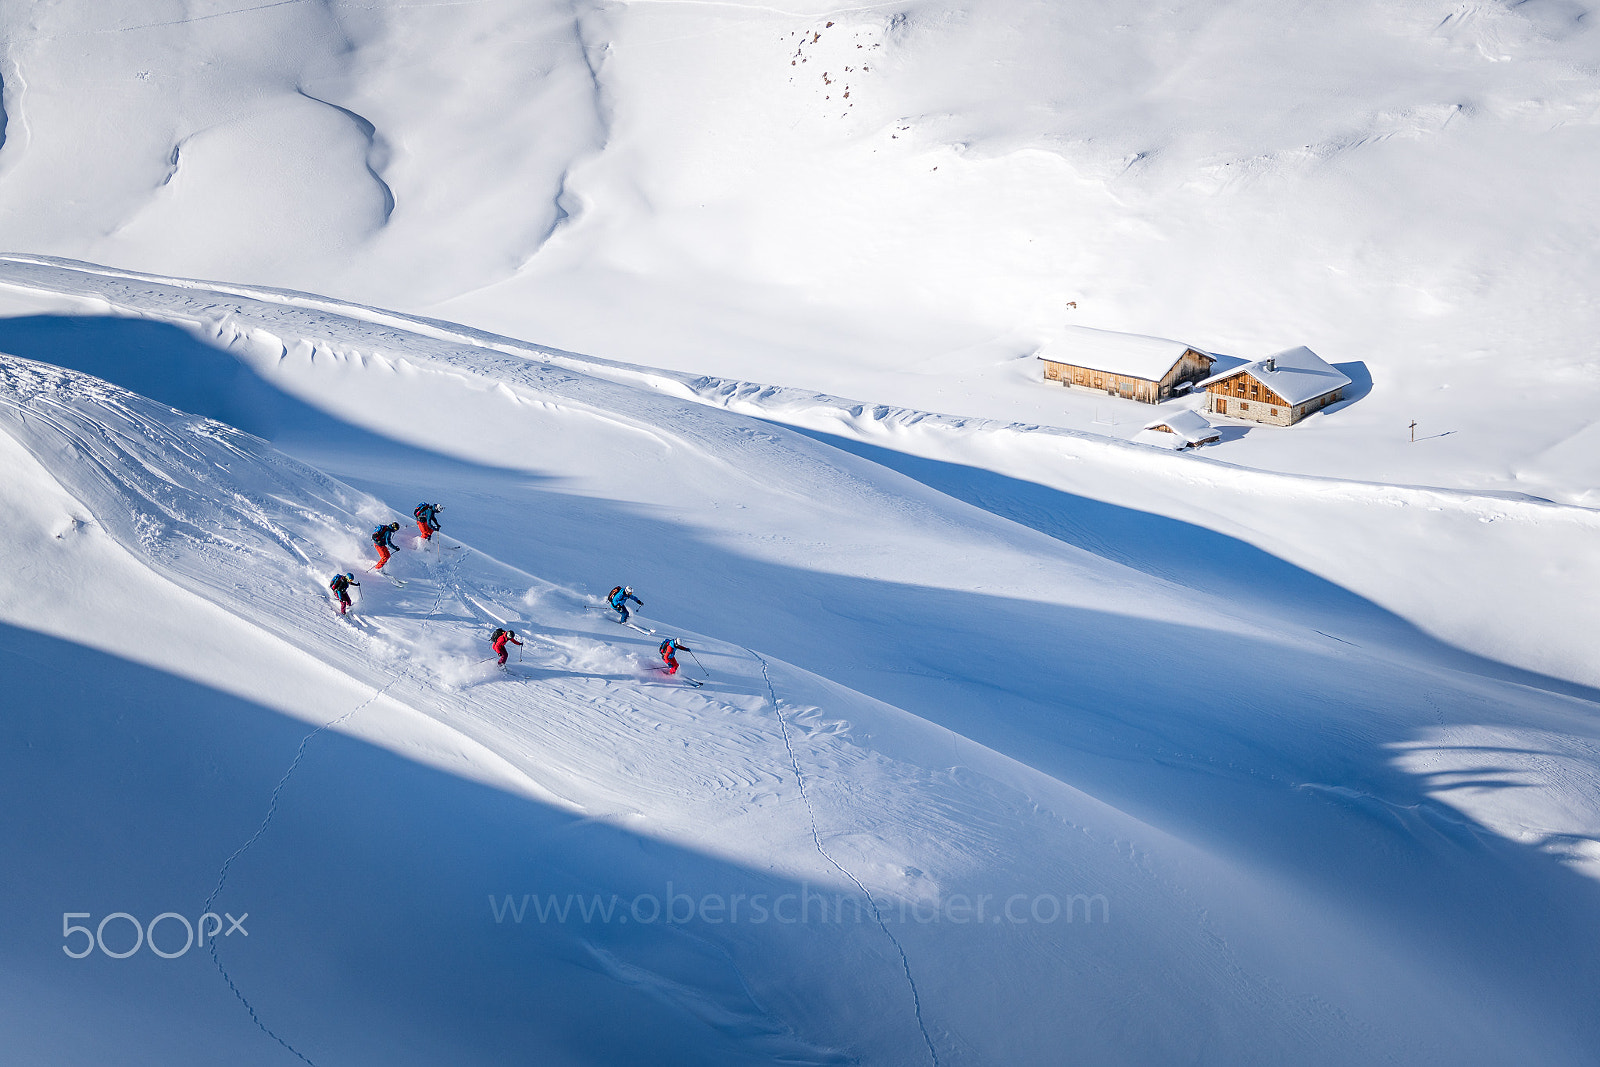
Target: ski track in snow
{"type": "Point", "coordinates": [811, 816]}
{"type": "Point", "coordinates": [157, 516]}
{"type": "Point", "coordinates": [227, 864]}
{"type": "Point", "coordinates": [266, 821]}
{"type": "Point", "coordinates": [156, 523]}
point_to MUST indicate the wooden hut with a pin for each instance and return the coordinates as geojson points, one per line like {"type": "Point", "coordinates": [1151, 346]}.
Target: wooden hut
{"type": "Point", "coordinates": [1179, 430]}
{"type": "Point", "coordinates": [1149, 369]}
{"type": "Point", "coordinates": [1279, 390]}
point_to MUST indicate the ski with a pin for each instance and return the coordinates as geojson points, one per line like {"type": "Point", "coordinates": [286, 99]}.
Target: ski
{"type": "Point", "coordinates": [641, 629]}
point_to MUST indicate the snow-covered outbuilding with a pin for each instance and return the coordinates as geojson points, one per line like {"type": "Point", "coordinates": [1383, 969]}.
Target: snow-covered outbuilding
{"type": "Point", "coordinates": [1128, 365]}
{"type": "Point", "coordinates": [1279, 390]}
{"type": "Point", "coordinates": [1181, 429]}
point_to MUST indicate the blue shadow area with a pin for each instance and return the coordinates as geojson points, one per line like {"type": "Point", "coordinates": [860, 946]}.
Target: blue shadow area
{"type": "Point", "coordinates": [1189, 555]}
{"type": "Point", "coordinates": [157, 360]}
{"type": "Point", "coordinates": [171, 366]}
{"type": "Point", "coordinates": [1360, 380]}
{"type": "Point", "coordinates": [370, 936]}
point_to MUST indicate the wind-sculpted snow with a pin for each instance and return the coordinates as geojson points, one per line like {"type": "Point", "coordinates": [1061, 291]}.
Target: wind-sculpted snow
{"type": "Point", "coordinates": [168, 479]}
{"type": "Point", "coordinates": [226, 515]}
{"type": "Point", "coordinates": [378, 151]}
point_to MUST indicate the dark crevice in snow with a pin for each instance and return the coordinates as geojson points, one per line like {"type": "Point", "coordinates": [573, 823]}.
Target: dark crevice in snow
{"type": "Point", "coordinates": [811, 815]}
{"type": "Point", "coordinates": [561, 217]}
{"type": "Point", "coordinates": [377, 157]}
{"type": "Point", "coordinates": [172, 164]}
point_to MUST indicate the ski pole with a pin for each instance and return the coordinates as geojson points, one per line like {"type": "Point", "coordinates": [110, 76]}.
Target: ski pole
{"type": "Point", "coordinates": [697, 663]}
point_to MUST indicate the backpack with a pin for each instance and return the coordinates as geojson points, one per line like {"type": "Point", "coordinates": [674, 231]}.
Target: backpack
{"type": "Point", "coordinates": [498, 633]}
{"type": "Point", "coordinates": [338, 583]}
{"type": "Point", "coordinates": [612, 596]}
{"type": "Point", "coordinates": [421, 512]}
{"type": "Point", "coordinates": [379, 533]}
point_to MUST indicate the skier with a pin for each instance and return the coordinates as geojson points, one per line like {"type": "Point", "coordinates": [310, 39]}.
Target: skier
{"type": "Point", "coordinates": [669, 653]}
{"type": "Point", "coordinates": [383, 541]}
{"type": "Point", "coordinates": [427, 519]}
{"type": "Point", "coordinates": [618, 599]}
{"type": "Point", "coordinates": [341, 588]}
{"type": "Point", "coordinates": [500, 637]}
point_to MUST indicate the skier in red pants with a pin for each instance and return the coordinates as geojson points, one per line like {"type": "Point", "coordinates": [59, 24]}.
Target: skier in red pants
{"type": "Point", "coordinates": [427, 516]}
{"type": "Point", "coordinates": [382, 540]}
{"type": "Point", "coordinates": [500, 637]}
{"type": "Point", "coordinates": [669, 653]}
{"type": "Point", "coordinates": [341, 590]}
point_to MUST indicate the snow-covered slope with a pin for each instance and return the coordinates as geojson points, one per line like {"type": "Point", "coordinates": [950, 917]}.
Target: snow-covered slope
{"type": "Point", "coordinates": [928, 685]}
{"type": "Point", "coordinates": [1417, 552]}
{"type": "Point", "coordinates": [739, 303]}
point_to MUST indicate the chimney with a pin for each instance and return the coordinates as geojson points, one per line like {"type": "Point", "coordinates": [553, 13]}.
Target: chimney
{"type": "Point", "coordinates": [1271, 364]}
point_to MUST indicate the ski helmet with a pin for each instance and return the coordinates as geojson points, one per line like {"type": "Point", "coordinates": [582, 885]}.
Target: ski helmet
{"type": "Point", "coordinates": [627, 589]}
{"type": "Point", "coordinates": [394, 526]}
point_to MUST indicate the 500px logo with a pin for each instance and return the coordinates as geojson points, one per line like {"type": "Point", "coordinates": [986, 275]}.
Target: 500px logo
{"type": "Point", "coordinates": [145, 934]}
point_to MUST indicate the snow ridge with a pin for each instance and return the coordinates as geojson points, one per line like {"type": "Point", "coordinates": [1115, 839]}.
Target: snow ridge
{"type": "Point", "coordinates": [811, 815]}
{"type": "Point", "coordinates": [377, 156]}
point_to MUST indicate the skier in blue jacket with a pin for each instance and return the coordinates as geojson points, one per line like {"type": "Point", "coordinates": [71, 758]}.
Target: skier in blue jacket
{"type": "Point", "coordinates": [427, 516]}
{"type": "Point", "coordinates": [669, 653]}
{"type": "Point", "coordinates": [341, 590]}
{"type": "Point", "coordinates": [383, 541]}
{"type": "Point", "coordinates": [618, 599]}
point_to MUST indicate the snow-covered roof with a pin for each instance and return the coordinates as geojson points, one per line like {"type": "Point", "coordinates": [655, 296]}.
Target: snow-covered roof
{"type": "Point", "coordinates": [1297, 375]}
{"type": "Point", "coordinates": [1159, 438]}
{"type": "Point", "coordinates": [1129, 354]}
{"type": "Point", "coordinates": [1191, 426]}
